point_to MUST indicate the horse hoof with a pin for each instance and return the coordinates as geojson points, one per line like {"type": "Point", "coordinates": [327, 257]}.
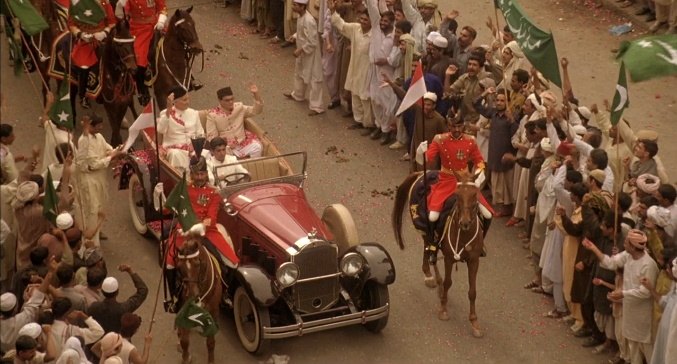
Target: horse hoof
{"type": "Point", "coordinates": [430, 282]}
{"type": "Point", "coordinates": [443, 316]}
{"type": "Point", "coordinates": [477, 333]}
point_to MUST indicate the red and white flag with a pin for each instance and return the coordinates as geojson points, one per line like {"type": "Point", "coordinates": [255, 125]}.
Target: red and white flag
{"type": "Point", "coordinates": [145, 120]}
{"type": "Point", "coordinates": [416, 90]}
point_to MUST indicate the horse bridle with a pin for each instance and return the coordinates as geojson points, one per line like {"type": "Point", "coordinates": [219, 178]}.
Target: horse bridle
{"type": "Point", "coordinates": [201, 273]}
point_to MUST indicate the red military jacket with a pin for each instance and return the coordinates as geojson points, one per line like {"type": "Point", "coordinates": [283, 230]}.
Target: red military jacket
{"type": "Point", "coordinates": [455, 153]}
{"type": "Point", "coordinates": [106, 23]}
{"type": "Point", "coordinates": [205, 201]}
{"type": "Point", "coordinates": [145, 11]}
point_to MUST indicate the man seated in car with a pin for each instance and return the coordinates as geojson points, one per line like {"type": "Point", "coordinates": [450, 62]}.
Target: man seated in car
{"type": "Point", "coordinates": [220, 156]}
{"type": "Point", "coordinates": [177, 125]}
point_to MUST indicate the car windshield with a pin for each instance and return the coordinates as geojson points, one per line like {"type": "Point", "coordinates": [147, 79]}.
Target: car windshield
{"type": "Point", "coordinates": [286, 167]}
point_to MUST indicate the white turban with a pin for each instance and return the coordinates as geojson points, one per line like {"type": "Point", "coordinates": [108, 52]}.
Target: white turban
{"type": "Point", "coordinates": [547, 146]}
{"type": "Point", "coordinates": [31, 329]}
{"type": "Point", "coordinates": [579, 129]}
{"type": "Point", "coordinates": [27, 191]}
{"type": "Point", "coordinates": [514, 49]}
{"type": "Point", "coordinates": [430, 96]}
{"type": "Point", "coordinates": [109, 285]}
{"type": "Point", "coordinates": [648, 183]}
{"type": "Point", "coordinates": [440, 42]}
{"type": "Point", "coordinates": [432, 36]}
{"type": "Point", "coordinates": [659, 215]}
{"type": "Point", "coordinates": [7, 301]}
{"type": "Point", "coordinates": [64, 221]}
{"type": "Point", "coordinates": [637, 238]}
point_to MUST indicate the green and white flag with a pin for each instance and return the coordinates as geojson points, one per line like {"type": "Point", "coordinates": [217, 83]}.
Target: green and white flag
{"type": "Point", "coordinates": [650, 57]}
{"type": "Point", "coordinates": [49, 203]}
{"type": "Point", "coordinates": [537, 44]}
{"type": "Point", "coordinates": [31, 21]}
{"type": "Point", "coordinates": [87, 11]}
{"type": "Point", "coordinates": [621, 100]}
{"type": "Point", "coordinates": [192, 315]}
{"type": "Point", "coordinates": [179, 202]}
{"type": "Point", "coordinates": [61, 112]}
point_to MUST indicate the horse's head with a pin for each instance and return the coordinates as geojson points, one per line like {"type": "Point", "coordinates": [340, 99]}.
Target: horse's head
{"type": "Point", "coordinates": [122, 46]}
{"type": "Point", "coordinates": [183, 25]}
{"type": "Point", "coordinates": [467, 201]}
{"type": "Point", "coordinates": [191, 266]}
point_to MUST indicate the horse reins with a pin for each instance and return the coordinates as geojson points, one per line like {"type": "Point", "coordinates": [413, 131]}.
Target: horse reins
{"type": "Point", "coordinates": [127, 84]}
{"type": "Point", "coordinates": [198, 280]}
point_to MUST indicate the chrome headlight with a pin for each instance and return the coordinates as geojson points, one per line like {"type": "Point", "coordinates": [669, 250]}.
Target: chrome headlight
{"type": "Point", "coordinates": [351, 264]}
{"type": "Point", "coordinates": [287, 274]}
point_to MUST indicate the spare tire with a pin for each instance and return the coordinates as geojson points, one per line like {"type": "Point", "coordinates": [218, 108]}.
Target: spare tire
{"type": "Point", "coordinates": [338, 220]}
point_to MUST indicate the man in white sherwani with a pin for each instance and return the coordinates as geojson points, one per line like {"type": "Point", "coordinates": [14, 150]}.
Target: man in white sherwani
{"type": "Point", "coordinates": [308, 70]}
{"type": "Point", "coordinates": [176, 126]}
{"type": "Point", "coordinates": [92, 159]}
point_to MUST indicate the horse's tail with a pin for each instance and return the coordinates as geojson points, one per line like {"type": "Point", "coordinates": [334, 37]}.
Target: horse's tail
{"type": "Point", "coordinates": [401, 200]}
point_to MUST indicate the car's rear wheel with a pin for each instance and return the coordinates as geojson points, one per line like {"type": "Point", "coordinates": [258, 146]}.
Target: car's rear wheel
{"type": "Point", "coordinates": [137, 205]}
{"type": "Point", "coordinates": [338, 220]}
{"type": "Point", "coordinates": [375, 295]}
{"type": "Point", "coordinates": [249, 321]}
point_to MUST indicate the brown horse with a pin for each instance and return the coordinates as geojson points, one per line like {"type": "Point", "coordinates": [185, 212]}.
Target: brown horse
{"type": "Point", "coordinates": [460, 237]}
{"type": "Point", "coordinates": [175, 55]}
{"type": "Point", "coordinates": [118, 85]}
{"type": "Point", "coordinates": [200, 278]}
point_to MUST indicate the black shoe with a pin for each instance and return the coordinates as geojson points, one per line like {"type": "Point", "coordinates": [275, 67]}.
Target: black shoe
{"type": "Point", "coordinates": [584, 332]}
{"type": "Point", "coordinates": [84, 102]}
{"type": "Point", "coordinates": [195, 85]}
{"type": "Point", "coordinates": [591, 342]}
{"type": "Point", "coordinates": [355, 125]}
{"type": "Point", "coordinates": [368, 131]}
{"type": "Point", "coordinates": [643, 11]}
{"type": "Point", "coordinates": [376, 134]}
{"type": "Point", "coordinates": [286, 44]}
{"type": "Point", "coordinates": [334, 104]}
{"type": "Point", "coordinates": [650, 18]}
{"type": "Point", "coordinates": [387, 138]}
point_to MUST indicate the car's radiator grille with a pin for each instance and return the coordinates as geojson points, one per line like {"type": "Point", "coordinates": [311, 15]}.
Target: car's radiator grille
{"type": "Point", "coordinates": [315, 261]}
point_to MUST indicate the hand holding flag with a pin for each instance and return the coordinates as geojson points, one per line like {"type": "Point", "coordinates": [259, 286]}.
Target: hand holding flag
{"type": "Point", "coordinates": [416, 90]}
{"type": "Point", "coordinates": [145, 120]}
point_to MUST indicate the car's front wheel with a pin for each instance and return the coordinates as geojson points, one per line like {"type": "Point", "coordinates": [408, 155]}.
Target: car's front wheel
{"type": "Point", "coordinates": [375, 295]}
{"type": "Point", "coordinates": [250, 321]}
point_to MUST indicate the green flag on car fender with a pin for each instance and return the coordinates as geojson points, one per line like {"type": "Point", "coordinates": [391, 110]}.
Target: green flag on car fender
{"type": "Point", "coordinates": [650, 57]}
{"type": "Point", "coordinates": [192, 315]}
{"type": "Point", "coordinates": [537, 44]}
{"type": "Point", "coordinates": [179, 202]}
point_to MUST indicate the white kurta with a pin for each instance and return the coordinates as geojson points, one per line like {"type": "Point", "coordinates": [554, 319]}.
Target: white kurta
{"type": "Point", "coordinates": [356, 78]}
{"type": "Point", "coordinates": [383, 99]}
{"type": "Point", "coordinates": [9, 170]}
{"type": "Point", "coordinates": [62, 136]}
{"type": "Point", "coordinates": [92, 162]}
{"type": "Point", "coordinates": [309, 64]}
{"type": "Point", "coordinates": [9, 328]}
{"type": "Point", "coordinates": [418, 27]}
{"type": "Point", "coordinates": [637, 302]}
{"type": "Point", "coordinates": [213, 163]}
{"type": "Point", "coordinates": [177, 131]}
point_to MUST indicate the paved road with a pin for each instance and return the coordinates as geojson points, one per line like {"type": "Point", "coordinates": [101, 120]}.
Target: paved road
{"type": "Point", "coordinates": [515, 331]}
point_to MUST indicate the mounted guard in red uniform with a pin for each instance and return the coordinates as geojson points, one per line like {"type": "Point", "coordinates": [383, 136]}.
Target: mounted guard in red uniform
{"type": "Point", "coordinates": [90, 23]}
{"type": "Point", "coordinates": [145, 18]}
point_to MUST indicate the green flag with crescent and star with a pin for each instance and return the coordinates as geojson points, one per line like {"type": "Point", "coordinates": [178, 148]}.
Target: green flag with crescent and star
{"type": "Point", "coordinates": [192, 315]}
{"type": "Point", "coordinates": [51, 200]}
{"type": "Point", "coordinates": [179, 202]}
{"type": "Point", "coordinates": [650, 57]}
{"type": "Point", "coordinates": [87, 11]}
{"type": "Point", "coordinates": [621, 100]}
{"type": "Point", "coordinates": [61, 113]}
{"type": "Point", "coordinates": [538, 45]}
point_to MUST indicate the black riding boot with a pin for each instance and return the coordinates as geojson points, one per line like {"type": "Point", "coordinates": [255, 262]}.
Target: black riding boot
{"type": "Point", "coordinates": [83, 75]}
{"type": "Point", "coordinates": [141, 88]}
{"type": "Point", "coordinates": [171, 305]}
{"type": "Point", "coordinates": [431, 248]}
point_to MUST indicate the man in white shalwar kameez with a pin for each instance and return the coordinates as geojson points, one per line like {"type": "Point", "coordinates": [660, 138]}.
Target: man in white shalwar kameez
{"type": "Point", "coordinates": [331, 55]}
{"type": "Point", "coordinates": [220, 156]}
{"type": "Point", "coordinates": [92, 160]}
{"type": "Point", "coordinates": [637, 301]}
{"type": "Point", "coordinates": [359, 34]}
{"type": "Point", "coordinates": [308, 69]}
{"type": "Point", "coordinates": [176, 126]}
{"type": "Point", "coordinates": [383, 99]}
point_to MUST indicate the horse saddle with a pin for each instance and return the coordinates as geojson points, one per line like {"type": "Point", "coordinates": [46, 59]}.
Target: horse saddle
{"type": "Point", "coordinates": [60, 65]}
{"type": "Point", "coordinates": [419, 202]}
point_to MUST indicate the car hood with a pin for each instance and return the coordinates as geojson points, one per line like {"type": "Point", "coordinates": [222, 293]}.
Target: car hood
{"type": "Point", "coordinates": [280, 212]}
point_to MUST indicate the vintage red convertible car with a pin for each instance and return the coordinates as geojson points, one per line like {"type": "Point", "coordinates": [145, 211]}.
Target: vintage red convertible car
{"type": "Point", "coordinates": [299, 273]}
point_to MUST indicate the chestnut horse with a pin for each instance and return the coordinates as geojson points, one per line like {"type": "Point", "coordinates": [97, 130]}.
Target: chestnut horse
{"type": "Point", "coordinates": [175, 55]}
{"type": "Point", "coordinates": [201, 279]}
{"type": "Point", "coordinates": [460, 237]}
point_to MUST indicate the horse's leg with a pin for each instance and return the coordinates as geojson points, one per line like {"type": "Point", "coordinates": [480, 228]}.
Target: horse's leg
{"type": "Point", "coordinates": [443, 290]}
{"type": "Point", "coordinates": [211, 343]}
{"type": "Point", "coordinates": [115, 112]}
{"type": "Point", "coordinates": [429, 280]}
{"type": "Point", "coordinates": [473, 268]}
{"type": "Point", "coordinates": [184, 339]}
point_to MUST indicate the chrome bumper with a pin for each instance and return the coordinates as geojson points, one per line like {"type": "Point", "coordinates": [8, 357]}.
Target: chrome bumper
{"type": "Point", "coordinates": [303, 328]}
